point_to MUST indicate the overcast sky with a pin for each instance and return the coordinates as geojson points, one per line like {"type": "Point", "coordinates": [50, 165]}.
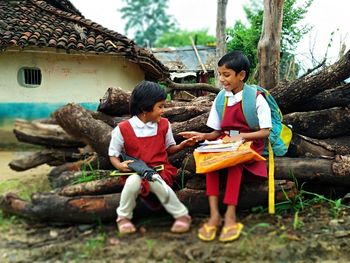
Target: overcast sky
{"type": "Point", "coordinates": [325, 16]}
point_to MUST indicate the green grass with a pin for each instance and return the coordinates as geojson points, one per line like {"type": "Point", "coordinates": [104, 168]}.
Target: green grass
{"type": "Point", "coordinates": [24, 188]}
{"type": "Point", "coordinates": [7, 222]}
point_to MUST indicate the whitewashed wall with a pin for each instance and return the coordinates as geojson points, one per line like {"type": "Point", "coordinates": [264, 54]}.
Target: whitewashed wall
{"type": "Point", "coordinates": [65, 77]}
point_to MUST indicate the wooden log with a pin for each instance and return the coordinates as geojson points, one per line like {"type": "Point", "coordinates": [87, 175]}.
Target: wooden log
{"type": "Point", "coordinates": [46, 156]}
{"type": "Point", "coordinates": [316, 170]}
{"type": "Point", "coordinates": [111, 121]}
{"type": "Point", "coordinates": [191, 86]}
{"type": "Point", "coordinates": [195, 124]}
{"type": "Point", "coordinates": [100, 186]}
{"type": "Point", "coordinates": [78, 122]}
{"type": "Point", "coordinates": [299, 91]}
{"type": "Point", "coordinates": [303, 146]}
{"type": "Point", "coordinates": [46, 134]}
{"type": "Point", "coordinates": [50, 207]}
{"type": "Point", "coordinates": [179, 114]}
{"type": "Point", "coordinates": [330, 98]}
{"type": "Point", "coordinates": [322, 124]}
{"type": "Point", "coordinates": [115, 102]}
{"type": "Point", "coordinates": [306, 169]}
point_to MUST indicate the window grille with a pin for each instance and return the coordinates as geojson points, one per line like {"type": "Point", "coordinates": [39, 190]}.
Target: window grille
{"type": "Point", "coordinates": [30, 77]}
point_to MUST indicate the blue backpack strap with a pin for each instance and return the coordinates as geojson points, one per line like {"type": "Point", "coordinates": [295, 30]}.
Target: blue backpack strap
{"type": "Point", "coordinates": [249, 106]}
{"type": "Point", "coordinates": [220, 104]}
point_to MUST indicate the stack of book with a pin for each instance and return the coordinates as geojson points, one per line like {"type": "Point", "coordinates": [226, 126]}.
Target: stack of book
{"type": "Point", "coordinates": [218, 146]}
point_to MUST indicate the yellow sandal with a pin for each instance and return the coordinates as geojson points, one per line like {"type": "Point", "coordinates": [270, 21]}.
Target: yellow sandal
{"type": "Point", "coordinates": [207, 233]}
{"type": "Point", "coordinates": [227, 235]}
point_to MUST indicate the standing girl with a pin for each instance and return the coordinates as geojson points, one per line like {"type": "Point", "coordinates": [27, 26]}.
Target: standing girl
{"type": "Point", "coordinates": [233, 71]}
{"type": "Point", "coordinates": [148, 137]}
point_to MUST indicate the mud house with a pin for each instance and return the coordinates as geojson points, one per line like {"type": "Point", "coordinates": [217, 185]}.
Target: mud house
{"type": "Point", "coordinates": [50, 54]}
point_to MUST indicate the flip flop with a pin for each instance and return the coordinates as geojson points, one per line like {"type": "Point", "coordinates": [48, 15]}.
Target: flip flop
{"type": "Point", "coordinates": [181, 226]}
{"type": "Point", "coordinates": [231, 233]}
{"type": "Point", "coordinates": [207, 233]}
{"type": "Point", "coordinates": [125, 226]}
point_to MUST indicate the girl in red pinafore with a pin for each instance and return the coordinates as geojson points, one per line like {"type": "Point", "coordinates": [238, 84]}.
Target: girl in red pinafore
{"type": "Point", "coordinates": [148, 137]}
{"type": "Point", "coordinates": [233, 71]}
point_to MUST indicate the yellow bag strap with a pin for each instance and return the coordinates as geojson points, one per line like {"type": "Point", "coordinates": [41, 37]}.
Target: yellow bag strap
{"type": "Point", "coordinates": [271, 181]}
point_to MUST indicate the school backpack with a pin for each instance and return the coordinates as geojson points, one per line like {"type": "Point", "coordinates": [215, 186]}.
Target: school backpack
{"type": "Point", "coordinates": [280, 134]}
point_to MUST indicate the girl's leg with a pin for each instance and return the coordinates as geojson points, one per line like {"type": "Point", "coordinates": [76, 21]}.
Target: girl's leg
{"type": "Point", "coordinates": [127, 203]}
{"type": "Point", "coordinates": [207, 232]}
{"type": "Point", "coordinates": [233, 184]}
{"type": "Point", "coordinates": [169, 199]}
{"type": "Point", "coordinates": [173, 206]}
{"type": "Point", "coordinates": [212, 185]}
{"type": "Point", "coordinates": [231, 230]}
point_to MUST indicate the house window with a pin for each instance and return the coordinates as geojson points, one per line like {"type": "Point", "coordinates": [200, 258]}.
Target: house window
{"type": "Point", "coordinates": [29, 77]}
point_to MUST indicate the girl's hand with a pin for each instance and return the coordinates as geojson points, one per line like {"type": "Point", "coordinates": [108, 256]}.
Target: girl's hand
{"type": "Point", "coordinates": [197, 136]}
{"type": "Point", "coordinates": [188, 143]}
{"type": "Point", "coordinates": [123, 166]}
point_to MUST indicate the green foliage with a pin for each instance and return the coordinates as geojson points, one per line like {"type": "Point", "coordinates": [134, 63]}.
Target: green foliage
{"type": "Point", "coordinates": [24, 188]}
{"type": "Point", "coordinates": [147, 19]}
{"type": "Point", "coordinates": [246, 37]}
{"type": "Point", "coordinates": [7, 221]}
{"type": "Point", "coordinates": [180, 38]}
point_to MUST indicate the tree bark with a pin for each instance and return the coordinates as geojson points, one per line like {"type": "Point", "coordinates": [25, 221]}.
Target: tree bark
{"type": "Point", "coordinates": [300, 90]}
{"type": "Point", "coordinates": [220, 34]}
{"type": "Point", "coordinates": [195, 124]}
{"type": "Point", "coordinates": [115, 102]}
{"type": "Point", "coordinates": [78, 122]}
{"type": "Point", "coordinates": [46, 156]}
{"type": "Point", "coordinates": [111, 121]}
{"type": "Point", "coordinates": [191, 86]}
{"type": "Point", "coordinates": [107, 185]}
{"type": "Point", "coordinates": [330, 98]}
{"type": "Point", "coordinates": [303, 146]}
{"type": "Point", "coordinates": [49, 207]}
{"type": "Point", "coordinates": [179, 114]}
{"type": "Point", "coordinates": [334, 171]}
{"type": "Point", "coordinates": [322, 124]}
{"type": "Point", "coordinates": [46, 134]}
{"type": "Point", "coordinates": [317, 170]}
{"type": "Point", "coordinates": [269, 44]}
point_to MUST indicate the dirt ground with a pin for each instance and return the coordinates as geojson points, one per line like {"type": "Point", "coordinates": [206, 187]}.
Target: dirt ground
{"type": "Point", "coordinates": [318, 233]}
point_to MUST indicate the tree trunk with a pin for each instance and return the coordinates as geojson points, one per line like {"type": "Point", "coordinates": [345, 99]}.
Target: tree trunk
{"type": "Point", "coordinates": [300, 90]}
{"type": "Point", "coordinates": [78, 122]}
{"type": "Point", "coordinates": [269, 44]}
{"type": "Point", "coordinates": [195, 124]}
{"type": "Point", "coordinates": [220, 34]}
{"type": "Point", "coordinates": [115, 102]}
{"type": "Point", "coordinates": [330, 98]}
{"type": "Point", "coordinates": [107, 185]}
{"type": "Point", "coordinates": [46, 134]}
{"type": "Point", "coordinates": [316, 170]}
{"type": "Point", "coordinates": [47, 156]}
{"type": "Point", "coordinates": [49, 207]}
{"type": "Point", "coordinates": [179, 114]}
{"type": "Point", "coordinates": [302, 146]}
{"type": "Point", "coordinates": [322, 124]}
{"type": "Point", "coordinates": [319, 170]}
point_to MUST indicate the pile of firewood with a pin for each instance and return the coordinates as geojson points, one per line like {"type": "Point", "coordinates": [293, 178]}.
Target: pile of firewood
{"type": "Point", "coordinates": [76, 141]}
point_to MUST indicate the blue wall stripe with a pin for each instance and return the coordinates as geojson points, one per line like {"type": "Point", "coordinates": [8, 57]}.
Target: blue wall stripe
{"type": "Point", "coordinates": [32, 111]}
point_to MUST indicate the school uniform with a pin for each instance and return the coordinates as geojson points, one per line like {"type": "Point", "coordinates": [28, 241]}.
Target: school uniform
{"type": "Point", "coordinates": [148, 142]}
{"type": "Point", "coordinates": [233, 122]}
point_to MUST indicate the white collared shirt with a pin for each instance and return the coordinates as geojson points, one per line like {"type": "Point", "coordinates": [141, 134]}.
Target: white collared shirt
{"type": "Point", "coordinates": [262, 109]}
{"type": "Point", "coordinates": [141, 129]}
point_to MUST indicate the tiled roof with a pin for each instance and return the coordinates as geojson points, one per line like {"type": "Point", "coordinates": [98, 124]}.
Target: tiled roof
{"type": "Point", "coordinates": [58, 24]}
